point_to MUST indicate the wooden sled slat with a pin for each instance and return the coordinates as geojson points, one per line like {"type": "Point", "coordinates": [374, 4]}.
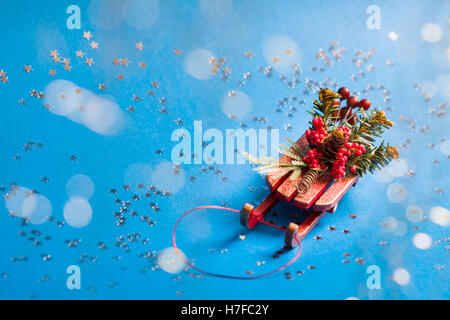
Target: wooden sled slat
{"type": "Point", "coordinates": [273, 183]}
{"type": "Point", "coordinates": [307, 199]}
{"type": "Point", "coordinates": [287, 190]}
{"type": "Point", "coordinates": [334, 193]}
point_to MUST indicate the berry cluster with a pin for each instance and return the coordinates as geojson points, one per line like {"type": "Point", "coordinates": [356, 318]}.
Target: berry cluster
{"type": "Point", "coordinates": [352, 103]}
{"type": "Point", "coordinates": [312, 160]}
{"type": "Point", "coordinates": [316, 135]}
{"type": "Point", "coordinates": [338, 169]}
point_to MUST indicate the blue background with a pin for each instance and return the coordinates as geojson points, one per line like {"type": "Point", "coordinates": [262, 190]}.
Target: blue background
{"type": "Point", "coordinates": [29, 30]}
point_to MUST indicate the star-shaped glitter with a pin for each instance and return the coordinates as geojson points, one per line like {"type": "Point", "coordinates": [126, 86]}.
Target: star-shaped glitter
{"type": "Point", "coordinates": [87, 35]}
{"type": "Point", "coordinates": [54, 53]}
{"type": "Point", "coordinates": [52, 72]}
{"type": "Point", "coordinates": [139, 46]}
{"type": "Point", "coordinates": [27, 69]}
{"type": "Point", "coordinates": [177, 52]}
{"type": "Point", "coordinates": [80, 54]}
{"type": "Point", "coordinates": [89, 61]}
{"type": "Point", "coordinates": [93, 45]}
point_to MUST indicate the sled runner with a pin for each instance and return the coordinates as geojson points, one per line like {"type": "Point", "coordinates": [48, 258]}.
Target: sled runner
{"type": "Point", "coordinates": [322, 197]}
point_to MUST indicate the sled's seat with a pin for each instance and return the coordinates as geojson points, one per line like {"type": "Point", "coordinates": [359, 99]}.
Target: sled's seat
{"type": "Point", "coordinates": [323, 196]}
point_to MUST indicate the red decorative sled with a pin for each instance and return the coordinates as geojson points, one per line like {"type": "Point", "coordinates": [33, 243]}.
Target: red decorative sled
{"type": "Point", "coordinates": [323, 196]}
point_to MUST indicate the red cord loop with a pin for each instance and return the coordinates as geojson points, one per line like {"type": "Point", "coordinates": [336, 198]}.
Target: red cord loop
{"type": "Point", "coordinates": [222, 275]}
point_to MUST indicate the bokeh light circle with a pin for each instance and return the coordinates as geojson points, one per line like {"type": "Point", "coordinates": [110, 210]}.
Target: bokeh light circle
{"type": "Point", "coordinates": [138, 173]}
{"type": "Point", "coordinates": [440, 216]}
{"type": "Point", "coordinates": [196, 64]}
{"type": "Point", "coordinates": [216, 10]}
{"type": "Point", "coordinates": [236, 105]}
{"type": "Point", "coordinates": [431, 32]}
{"type": "Point", "coordinates": [413, 213]}
{"type": "Point", "coordinates": [40, 209]}
{"type": "Point", "coordinates": [80, 185]}
{"type": "Point", "coordinates": [401, 276]}
{"type": "Point", "coordinates": [105, 14]}
{"type": "Point", "coordinates": [20, 202]}
{"type": "Point", "coordinates": [422, 241]}
{"type": "Point", "coordinates": [167, 177]}
{"type": "Point", "coordinates": [281, 52]}
{"type": "Point", "coordinates": [169, 260]}
{"type": "Point", "coordinates": [396, 192]}
{"type": "Point", "coordinates": [77, 212]}
{"type": "Point", "coordinates": [141, 14]}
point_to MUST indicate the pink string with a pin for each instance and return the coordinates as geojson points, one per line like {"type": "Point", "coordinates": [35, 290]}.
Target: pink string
{"type": "Point", "coordinates": [177, 251]}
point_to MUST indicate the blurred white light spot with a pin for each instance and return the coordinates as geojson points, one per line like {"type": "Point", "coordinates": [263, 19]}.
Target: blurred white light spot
{"type": "Point", "coordinates": [440, 216]}
{"type": "Point", "coordinates": [422, 241]}
{"type": "Point", "coordinates": [383, 176]}
{"type": "Point", "coordinates": [236, 105]}
{"type": "Point", "coordinates": [20, 202]}
{"type": "Point", "coordinates": [102, 116]}
{"type": "Point", "coordinates": [396, 192]}
{"type": "Point", "coordinates": [445, 147]}
{"type": "Point", "coordinates": [82, 106]}
{"type": "Point", "coordinates": [401, 276]}
{"type": "Point", "coordinates": [390, 224]}
{"type": "Point", "coordinates": [413, 213]}
{"type": "Point", "coordinates": [196, 64]}
{"type": "Point", "coordinates": [105, 14]}
{"type": "Point", "coordinates": [80, 185]}
{"type": "Point", "coordinates": [170, 261]}
{"type": "Point", "coordinates": [429, 89]}
{"type": "Point", "coordinates": [400, 229]}
{"type": "Point", "coordinates": [77, 212]}
{"type": "Point", "coordinates": [141, 14]}
{"type": "Point", "coordinates": [431, 32]}
{"type": "Point", "coordinates": [393, 36]}
{"type": "Point", "coordinates": [281, 52]}
{"type": "Point", "coordinates": [40, 210]}
{"type": "Point", "coordinates": [168, 177]}
{"type": "Point", "coordinates": [398, 168]}
{"type": "Point", "coordinates": [443, 84]}
{"type": "Point", "coordinates": [216, 10]}
{"type": "Point", "coordinates": [352, 298]}
{"type": "Point", "coordinates": [138, 173]}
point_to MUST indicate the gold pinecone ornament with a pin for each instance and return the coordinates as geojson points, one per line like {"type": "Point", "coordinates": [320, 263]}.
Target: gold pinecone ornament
{"type": "Point", "coordinates": [332, 143]}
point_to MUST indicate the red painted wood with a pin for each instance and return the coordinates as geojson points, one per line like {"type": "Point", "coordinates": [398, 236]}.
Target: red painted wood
{"type": "Point", "coordinates": [275, 183]}
{"type": "Point", "coordinates": [309, 224]}
{"type": "Point", "coordinates": [307, 199]}
{"type": "Point", "coordinates": [264, 207]}
{"type": "Point", "coordinates": [334, 193]}
{"type": "Point", "coordinates": [287, 190]}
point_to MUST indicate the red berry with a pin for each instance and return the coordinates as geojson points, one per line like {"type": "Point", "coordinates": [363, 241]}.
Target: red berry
{"type": "Point", "coordinates": [365, 104]}
{"type": "Point", "coordinates": [336, 103]}
{"type": "Point", "coordinates": [353, 169]}
{"type": "Point", "coordinates": [344, 92]}
{"type": "Point", "coordinates": [343, 112]}
{"type": "Point", "coordinates": [358, 153]}
{"type": "Point", "coordinates": [352, 102]}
